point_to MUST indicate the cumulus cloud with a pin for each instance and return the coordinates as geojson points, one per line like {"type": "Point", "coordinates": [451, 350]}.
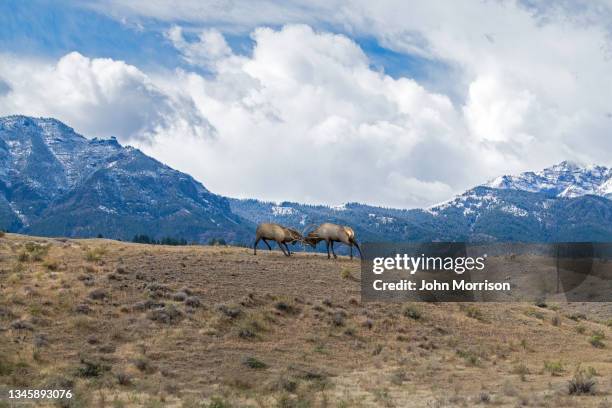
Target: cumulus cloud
{"type": "Point", "coordinates": [305, 117]}
{"type": "Point", "coordinates": [206, 51]}
{"type": "Point", "coordinates": [315, 123]}
{"type": "Point", "coordinates": [97, 96]}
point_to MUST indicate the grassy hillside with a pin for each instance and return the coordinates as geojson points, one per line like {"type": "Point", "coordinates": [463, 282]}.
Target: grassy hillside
{"type": "Point", "coordinates": [129, 325]}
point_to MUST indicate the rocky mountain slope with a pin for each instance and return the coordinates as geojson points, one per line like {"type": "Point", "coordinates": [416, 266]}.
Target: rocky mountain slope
{"type": "Point", "coordinates": [56, 182]}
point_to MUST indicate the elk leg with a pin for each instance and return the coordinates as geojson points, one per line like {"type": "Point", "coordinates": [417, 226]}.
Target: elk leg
{"type": "Point", "coordinates": [359, 249]}
{"type": "Point", "coordinates": [255, 246]}
{"type": "Point", "coordinates": [347, 241]}
{"type": "Point", "coordinates": [268, 245]}
{"type": "Point", "coordinates": [327, 242]}
{"type": "Point", "coordinates": [280, 245]}
{"type": "Point", "coordinates": [332, 247]}
{"type": "Point", "coordinates": [288, 250]}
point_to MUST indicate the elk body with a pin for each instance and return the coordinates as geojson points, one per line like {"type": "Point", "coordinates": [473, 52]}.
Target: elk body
{"type": "Point", "coordinates": [275, 232]}
{"type": "Point", "coordinates": [331, 233]}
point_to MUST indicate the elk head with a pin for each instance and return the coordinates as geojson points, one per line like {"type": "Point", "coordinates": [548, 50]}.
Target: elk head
{"type": "Point", "coordinates": [294, 235]}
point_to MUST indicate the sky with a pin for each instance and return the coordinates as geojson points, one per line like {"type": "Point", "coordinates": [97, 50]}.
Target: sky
{"type": "Point", "coordinates": [392, 103]}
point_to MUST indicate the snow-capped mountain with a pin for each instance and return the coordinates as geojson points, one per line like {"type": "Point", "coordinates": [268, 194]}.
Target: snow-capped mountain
{"type": "Point", "coordinates": [54, 181]}
{"type": "Point", "coordinates": [564, 202]}
{"type": "Point", "coordinates": [565, 179]}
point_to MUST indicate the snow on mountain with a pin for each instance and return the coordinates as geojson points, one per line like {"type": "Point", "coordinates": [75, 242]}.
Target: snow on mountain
{"type": "Point", "coordinates": [565, 179]}
{"type": "Point", "coordinates": [54, 181]}
{"type": "Point", "coordinates": [281, 210]}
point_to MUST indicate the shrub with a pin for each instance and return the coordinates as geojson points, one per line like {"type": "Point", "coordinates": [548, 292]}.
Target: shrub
{"type": "Point", "coordinates": [484, 397]}
{"type": "Point", "coordinates": [577, 316]}
{"type": "Point", "coordinates": [286, 383]}
{"type": "Point", "coordinates": [218, 402]}
{"type": "Point", "coordinates": [338, 319]}
{"type": "Point", "coordinates": [51, 264]}
{"type": "Point", "coordinates": [193, 301]}
{"type": "Point", "coordinates": [345, 273]}
{"type": "Point", "coordinates": [286, 307]}
{"type": "Point", "coordinates": [123, 378]}
{"type": "Point", "coordinates": [91, 368]}
{"type": "Point", "coordinates": [254, 363]}
{"type": "Point", "coordinates": [167, 315]}
{"type": "Point", "coordinates": [179, 296]}
{"type": "Point", "coordinates": [399, 376]}
{"type": "Point", "coordinates": [412, 312]}
{"type": "Point", "coordinates": [246, 333]}
{"type": "Point", "coordinates": [535, 313]}
{"type": "Point", "coordinates": [6, 367]}
{"type": "Point", "coordinates": [474, 313]}
{"type": "Point", "coordinates": [229, 311]}
{"type": "Point", "coordinates": [582, 383]}
{"type": "Point", "coordinates": [554, 367]}
{"type": "Point", "coordinates": [596, 339]}
{"type": "Point", "coordinates": [541, 304]}
{"type": "Point", "coordinates": [143, 364]}
{"type": "Point", "coordinates": [98, 294]}
{"type": "Point", "coordinates": [250, 328]}
{"type": "Point", "coordinates": [470, 357]}
{"type": "Point", "coordinates": [521, 370]}
{"type": "Point", "coordinates": [95, 254]}
{"type": "Point", "coordinates": [36, 251]}
{"type": "Point", "coordinates": [350, 331]}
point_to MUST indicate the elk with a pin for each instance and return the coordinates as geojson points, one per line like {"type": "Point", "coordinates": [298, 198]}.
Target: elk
{"type": "Point", "coordinates": [276, 232]}
{"type": "Point", "coordinates": [331, 233]}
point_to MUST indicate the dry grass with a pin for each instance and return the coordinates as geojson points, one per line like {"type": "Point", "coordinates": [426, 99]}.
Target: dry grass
{"type": "Point", "coordinates": [127, 325]}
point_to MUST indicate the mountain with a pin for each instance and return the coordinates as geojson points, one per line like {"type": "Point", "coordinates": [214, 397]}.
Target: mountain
{"type": "Point", "coordinates": [371, 223]}
{"type": "Point", "coordinates": [564, 202]}
{"type": "Point", "coordinates": [55, 182]}
{"type": "Point", "coordinates": [565, 179]}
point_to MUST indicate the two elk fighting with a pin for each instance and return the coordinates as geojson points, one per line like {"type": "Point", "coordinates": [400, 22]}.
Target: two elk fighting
{"type": "Point", "coordinates": [327, 232]}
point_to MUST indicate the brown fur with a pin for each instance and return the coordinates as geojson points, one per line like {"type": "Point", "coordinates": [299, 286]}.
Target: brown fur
{"type": "Point", "coordinates": [331, 233]}
{"type": "Point", "coordinates": [278, 233]}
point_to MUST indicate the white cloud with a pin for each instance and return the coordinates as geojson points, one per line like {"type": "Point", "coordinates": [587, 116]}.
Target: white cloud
{"type": "Point", "coordinates": [312, 123]}
{"type": "Point", "coordinates": [100, 96]}
{"type": "Point", "coordinates": [210, 47]}
{"type": "Point", "coordinates": [306, 118]}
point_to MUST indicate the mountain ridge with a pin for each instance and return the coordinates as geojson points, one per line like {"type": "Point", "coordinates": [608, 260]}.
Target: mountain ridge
{"type": "Point", "coordinates": [55, 182]}
{"type": "Point", "coordinates": [566, 179]}
{"type": "Point", "coordinates": [530, 207]}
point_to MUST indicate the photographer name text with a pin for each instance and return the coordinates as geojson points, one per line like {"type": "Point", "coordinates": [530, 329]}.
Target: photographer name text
{"type": "Point", "coordinates": [408, 285]}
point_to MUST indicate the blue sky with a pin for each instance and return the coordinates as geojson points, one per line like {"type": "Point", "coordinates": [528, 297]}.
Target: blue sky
{"type": "Point", "coordinates": [392, 102]}
{"type": "Point", "coordinates": [53, 28]}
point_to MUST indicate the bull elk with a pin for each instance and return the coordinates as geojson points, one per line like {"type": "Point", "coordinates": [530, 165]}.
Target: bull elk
{"type": "Point", "coordinates": [331, 233]}
{"type": "Point", "coordinates": [276, 232]}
